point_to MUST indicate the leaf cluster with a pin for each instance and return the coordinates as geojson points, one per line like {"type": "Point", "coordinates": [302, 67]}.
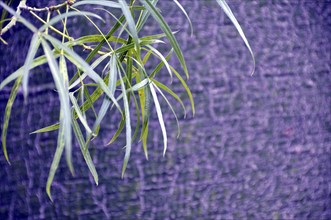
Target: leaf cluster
{"type": "Point", "coordinates": [125, 58]}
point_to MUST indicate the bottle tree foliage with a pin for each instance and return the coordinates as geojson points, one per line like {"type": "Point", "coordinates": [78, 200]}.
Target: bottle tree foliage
{"type": "Point", "coordinates": [123, 60]}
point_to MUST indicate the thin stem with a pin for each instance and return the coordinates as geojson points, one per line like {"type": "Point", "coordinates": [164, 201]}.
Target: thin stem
{"type": "Point", "coordinates": [12, 23]}
{"type": "Point", "coordinates": [50, 8]}
{"type": "Point", "coordinates": [51, 27]}
{"type": "Point", "coordinates": [48, 17]}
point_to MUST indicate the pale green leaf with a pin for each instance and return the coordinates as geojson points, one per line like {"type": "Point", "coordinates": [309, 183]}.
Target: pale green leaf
{"type": "Point", "coordinates": [81, 64]}
{"type": "Point", "coordinates": [64, 101]}
{"type": "Point", "coordinates": [86, 154]}
{"type": "Point", "coordinates": [127, 127]}
{"type": "Point", "coordinates": [186, 15]}
{"type": "Point", "coordinates": [34, 45]}
{"type": "Point", "coordinates": [166, 29]}
{"type": "Point", "coordinates": [160, 116]}
{"type": "Point", "coordinates": [56, 159]}
{"type": "Point", "coordinates": [58, 18]}
{"type": "Point", "coordinates": [79, 113]}
{"type": "Point", "coordinates": [172, 109]}
{"type": "Point", "coordinates": [229, 13]}
{"type": "Point", "coordinates": [8, 109]}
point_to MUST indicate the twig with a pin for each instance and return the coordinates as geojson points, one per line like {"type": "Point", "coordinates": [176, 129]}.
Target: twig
{"type": "Point", "coordinates": [22, 6]}
{"type": "Point", "coordinates": [12, 23]}
{"type": "Point", "coordinates": [50, 8]}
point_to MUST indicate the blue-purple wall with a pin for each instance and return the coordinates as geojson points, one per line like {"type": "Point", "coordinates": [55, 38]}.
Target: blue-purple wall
{"type": "Point", "coordinates": [258, 147]}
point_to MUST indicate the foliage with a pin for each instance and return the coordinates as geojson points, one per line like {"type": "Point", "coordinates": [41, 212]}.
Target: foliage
{"type": "Point", "coordinates": [125, 70]}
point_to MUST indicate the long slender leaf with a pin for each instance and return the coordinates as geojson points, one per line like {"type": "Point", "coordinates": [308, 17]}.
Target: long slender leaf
{"type": "Point", "coordinates": [8, 109]}
{"type": "Point", "coordinates": [130, 20]}
{"type": "Point", "coordinates": [144, 16]}
{"type": "Point", "coordinates": [166, 29]}
{"type": "Point", "coordinates": [160, 65]}
{"type": "Point", "coordinates": [79, 113]}
{"type": "Point", "coordinates": [34, 45]}
{"type": "Point", "coordinates": [96, 38]}
{"type": "Point", "coordinates": [229, 13]}
{"type": "Point", "coordinates": [98, 47]}
{"type": "Point", "coordinates": [186, 15]}
{"type": "Point", "coordinates": [136, 131]}
{"type": "Point", "coordinates": [171, 108]}
{"type": "Point", "coordinates": [112, 87]}
{"type": "Point", "coordinates": [86, 154]}
{"type": "Point", "coordinates": [160, 117]}
{"type": "Point", "coordinates": [168, 90]}
{"type": "Point", "coordinates": [127, 127]}
{"type": "Point", "coordinates": [188, 91]}
{"type": "Point", "coordinates": [64, 100]}
{"type": "Point", "coordinates": [78, 61]}
{"type": "Point", "coordinates": [94, 65]}
{"type": "Point", "coordinates": [163, 59]}
{"type": "Point", "coordinates": [57, 158]}
{"type": "Point", "coordinates": [37, 62]}
{"type": "Point", "coordinates": [67, 15]}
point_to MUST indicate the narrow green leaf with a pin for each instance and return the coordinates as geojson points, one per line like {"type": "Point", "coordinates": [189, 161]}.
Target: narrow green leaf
{"type": "Point", "coordinates": [168, 90]}
{"type": "Point", "coordinates": [94, 39]}
{"type": "Point", "coordinates": [163, 59]}
{"type": "Point", "coordinates": [58, 18]}
{"type": "Point", "coordinates": [34, 45]}
{"type": "Point", "coordinates": [37, 62]}
{"type": "Point", "coordinates": [127, 127]}
{"type": "Point", "coordinates": [171, 108]}
{"type": "Point", "coordinates": [229, 13]}
{"type": "Point", "coordinates": [188, 91]}
{"type": "Point", "coordinates": [98, 47]}
{"type": "Point", "coordinates": [118, 131]}
{"type": "Point", "coordinates": [136, 131]}
{"type": "Point", "coordinates": [95, 96]}
{"type": "Point", "coordinates": [160, 65]}
{"type": "Point", "coordinates": [93, 66]}
{"type": "Point", "coordinates": [146, 57]}
{"type": "Point", "coordinates": [56, 159]}
{"type": "Point", "coordinates": [166, 29]}
{"type": "Point", "coordinates": [186, 15]}
{"type": "Point", "coordinates": [4, 15]}
{"type": "Point", "coordinates": [64, 71]}
{"type": "Point", "coordinates": [160, 116]}
{"type": "Point", "coordinates": [153, 37]}
{"type": "Point", "coordinates": [8, 109]}
{"type": "Point", "coordinates": [79, 113]}
{"type": "Point", "coordinates": [144, 140]}
{"type": "Point", "coordinates": [86, 154]}
{"type": "Point", "coordinates": [130, 20]}
{"type": "Point", "coordinates": [64, 101]}
{"type": "Point", "coordinates": [81, 64]}
{"type": "Point", "coordinates": [112, 87]}
{"type": "Point", "coordinates": [144, 16]}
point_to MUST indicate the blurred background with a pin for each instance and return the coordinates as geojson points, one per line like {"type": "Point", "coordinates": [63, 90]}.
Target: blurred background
{"type": "Point", "coordinates": [259, 147]}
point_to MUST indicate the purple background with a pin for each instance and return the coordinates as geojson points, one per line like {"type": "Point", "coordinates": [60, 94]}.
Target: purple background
{"type": "Point", "coordinates": [258, 147]}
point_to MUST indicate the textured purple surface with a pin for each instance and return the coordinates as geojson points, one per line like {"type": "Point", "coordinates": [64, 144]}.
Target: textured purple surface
{"type": "Point", "coordinates": [258, 148]}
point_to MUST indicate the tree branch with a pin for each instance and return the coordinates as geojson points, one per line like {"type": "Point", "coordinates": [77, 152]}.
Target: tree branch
{"type": "Point", "coordinates": [13, 20]}
{"type": "Point", "coordinates": [22, 6]}
{"type": "Point", "coordinates": [50, 8]}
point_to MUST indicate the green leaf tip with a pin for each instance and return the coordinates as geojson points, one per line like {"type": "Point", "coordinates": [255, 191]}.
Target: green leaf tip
{"type": "Point", "coordinates": [226, 8]}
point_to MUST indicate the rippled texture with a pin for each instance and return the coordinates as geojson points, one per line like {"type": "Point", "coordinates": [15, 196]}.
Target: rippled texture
{"type": "Point", "coordinates": [258, 148]}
